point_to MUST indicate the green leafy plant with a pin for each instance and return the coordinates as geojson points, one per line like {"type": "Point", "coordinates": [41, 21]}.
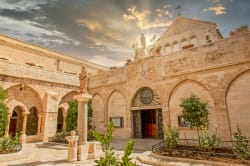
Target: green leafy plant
{"type": "Point", "coordinates": [240, 147]}
{"type": "Point", "coordinates": [209, 142]}
{"type": "Point", "coordinates": [195, 112]}
{"type": "Point", "coordinates": [126, 160]}
{"type": "Point", "coordinates": [109, 158]}
{"type": "Point", "coordinates": [71, 119]}
{"type": "Point", "coordinates": [3, 111]}
{"type": "Point", "coordinates": [171, 136]}
{"type": "Point", "coordinates": [8, 143]}
{"type": "Point", "coordinates": [90, 127]}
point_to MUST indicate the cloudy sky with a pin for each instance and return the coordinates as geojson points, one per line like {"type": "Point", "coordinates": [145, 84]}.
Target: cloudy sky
{"type": "Point", "coordinates": [103, 31]}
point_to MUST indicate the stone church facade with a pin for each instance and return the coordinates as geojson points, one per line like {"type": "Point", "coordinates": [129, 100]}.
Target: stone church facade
{"type": "Point", "coordinates": [190, 57]}
{"type": "Point", "coordinates": [143, 96]}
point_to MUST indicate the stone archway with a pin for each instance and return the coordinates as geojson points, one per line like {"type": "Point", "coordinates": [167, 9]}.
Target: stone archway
{"type": "Point", "coordinates": [117, 111]}
{"type": "Point", "coordinates": [147, 114]}
{"type": "Point", "coordinates": [29, 100]}
{"type": "Point", "coordinates": [183, 90]}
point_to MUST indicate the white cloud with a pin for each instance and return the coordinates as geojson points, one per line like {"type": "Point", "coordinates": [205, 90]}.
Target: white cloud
{"type": "Point", "coordinates": [219, 9]}
{"type": "Point", "coordinates": [22, 5]}
{"type": "Point", "coordinates": [33, 31]}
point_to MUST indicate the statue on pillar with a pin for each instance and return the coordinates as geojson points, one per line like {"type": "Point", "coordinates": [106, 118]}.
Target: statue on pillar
{"type": "Point", "coordinates": [83, 80]}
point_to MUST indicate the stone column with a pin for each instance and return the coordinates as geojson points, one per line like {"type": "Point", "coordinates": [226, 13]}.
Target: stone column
{"type": "Point", "coordinates": [23, 131]}
{"type": "Point", "coordinates": [64, 114]}
{"type": "Point", "coordinates": [6, 132]}
{"type": "Point", "coordinates": [82, 123]}
{"type": "Point", "coordinates": [39, 124]}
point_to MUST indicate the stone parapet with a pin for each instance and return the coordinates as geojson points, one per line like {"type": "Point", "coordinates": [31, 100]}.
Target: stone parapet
{"type": "Point", "coordinates": [24, 71]}
{"type": "Point", "coordinates": [225, 52]}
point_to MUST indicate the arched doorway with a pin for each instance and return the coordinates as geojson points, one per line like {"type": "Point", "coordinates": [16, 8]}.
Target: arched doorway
{"type": "Point", "coordinates": [32, 122]}
{"type": "Point", "coordinates": [15, 125]}
{"type": "Point", "coordinates": [147, 114]}
{"type": "Point", "coordinates": [59, 120]}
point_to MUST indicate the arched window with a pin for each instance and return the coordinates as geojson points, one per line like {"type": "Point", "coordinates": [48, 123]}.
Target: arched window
{"type": "Point", "coordinates": [208, 39]}
{"type": "Point", "coordinates": [167, 48]}
{"type": "Point", "coordinates": [32, 122]}
{"type": "Point", "coordinates": [184, 42]}
{"type": "Point", "coordinates": [193, 40]}
{"type": "Point", "coordinates": [175, 46]}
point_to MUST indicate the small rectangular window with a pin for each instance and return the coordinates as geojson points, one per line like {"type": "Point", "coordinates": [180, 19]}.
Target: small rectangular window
{"type": "Point", "coordinates": [182, 122]}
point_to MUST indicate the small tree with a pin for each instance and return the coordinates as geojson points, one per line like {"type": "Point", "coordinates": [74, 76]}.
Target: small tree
{"type": "Point", "coordinates": [71, 119]}
{"type": "Point", "coordinates": [3, 111]}
{"type": "Point", "coordinates": [195, 112]}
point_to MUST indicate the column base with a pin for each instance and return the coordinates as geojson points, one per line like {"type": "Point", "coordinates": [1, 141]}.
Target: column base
{"type": "Point", "coordinates": [23, 138]}
{"type": "Point", "coordinates": [88, 151]}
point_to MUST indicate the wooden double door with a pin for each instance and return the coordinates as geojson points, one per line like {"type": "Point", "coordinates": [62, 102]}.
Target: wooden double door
{"type": "Point", "coordinates": [147, 123]}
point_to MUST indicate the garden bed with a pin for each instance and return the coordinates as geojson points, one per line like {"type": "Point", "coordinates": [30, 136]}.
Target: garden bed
{"type": "Point", "coordinates": [224, 155]}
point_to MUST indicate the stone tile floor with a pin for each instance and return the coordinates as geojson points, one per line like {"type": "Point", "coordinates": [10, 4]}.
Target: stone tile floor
{"type": "Point", "coordinates": [44, 154]}
{"type": "Point", "coordinates": [47, 154]}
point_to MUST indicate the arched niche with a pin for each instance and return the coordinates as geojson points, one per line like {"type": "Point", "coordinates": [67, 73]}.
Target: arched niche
{"type": "Point", "coordinates": [98, 115]}
{"type": "Point", "coordinates": [238, 103]}
{"type": "Point", "coordinates": [117, 109]}
{"type": "Point", "coordinates": [184, 90]}
{"type": "Point", "coordinates": [32, 122]}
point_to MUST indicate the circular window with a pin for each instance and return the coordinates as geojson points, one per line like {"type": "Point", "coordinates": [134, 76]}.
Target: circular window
{"type": "Point", "coordinates": [146, 96]}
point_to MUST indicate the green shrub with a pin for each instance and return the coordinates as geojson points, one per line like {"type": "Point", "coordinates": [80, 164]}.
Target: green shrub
{"type": "Point", "coordinates": [109, 158]}
{"type": "Point", "coordinates": [240, 147]}
{"type": "Point", "coordinates": [71, 119]}
{"type": "Point", "coordinates": [8, 143]}
{"type": "Point", "coordinates": [3, 112]}
{"type": "Point", "coordinates": [209, 142]}
{"type": "Point", "coordinates": [171, 136]}
{"type": "Point", "coordinates": [126, 160]}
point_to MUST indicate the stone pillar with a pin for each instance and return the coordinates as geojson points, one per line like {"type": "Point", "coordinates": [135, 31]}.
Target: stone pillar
{"type": "Point", "coordinates": [23, 131]}
{"type": "Point", "coordinates": [6, 132]}
{"type": "Point", "coordinates": [72, 146]}
{"type": "Point", "coordinates": [49, 122]}
{"type": "Point", "coordinates": [82, 125]}
{"type": "Point", "coordinates": [39, 124]}
{"type": "Point", "coordinates": [64, 114]}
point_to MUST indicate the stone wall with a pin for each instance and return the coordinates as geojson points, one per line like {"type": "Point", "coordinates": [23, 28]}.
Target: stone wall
{"type": "Point", "coordinates": [217, 72]}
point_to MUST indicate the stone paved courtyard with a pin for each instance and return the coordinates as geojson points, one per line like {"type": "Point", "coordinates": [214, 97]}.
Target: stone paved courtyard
{"type": "Point", "coordinates": [46, 154]}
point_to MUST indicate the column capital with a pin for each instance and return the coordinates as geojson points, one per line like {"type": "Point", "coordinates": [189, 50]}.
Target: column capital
{"type": "Point", "coordinates": [83, 97]}
{"type": "Point", "coordinates": [25, 113]}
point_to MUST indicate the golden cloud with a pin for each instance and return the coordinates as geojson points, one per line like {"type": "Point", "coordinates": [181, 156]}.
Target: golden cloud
{"type": "Point", "coordinates": [141, 18]}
